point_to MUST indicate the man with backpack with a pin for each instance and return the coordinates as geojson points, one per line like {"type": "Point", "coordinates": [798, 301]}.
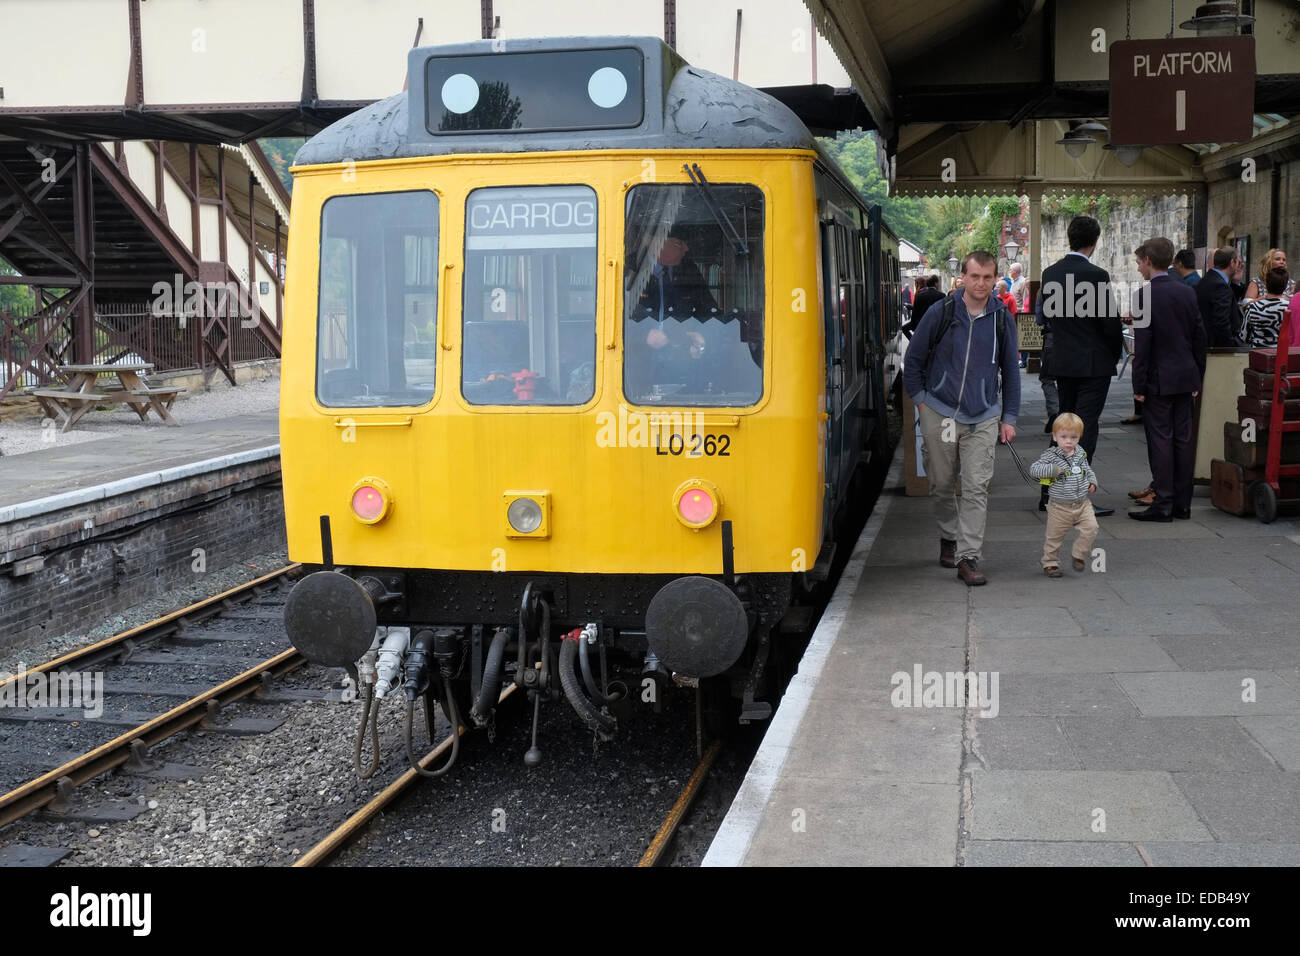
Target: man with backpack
{"type": "Point", "coordinates": [962, 371]}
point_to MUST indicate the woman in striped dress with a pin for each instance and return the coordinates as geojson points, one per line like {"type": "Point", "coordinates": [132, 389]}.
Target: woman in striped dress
{"type": "Point", "coordinates": [1264, 315]}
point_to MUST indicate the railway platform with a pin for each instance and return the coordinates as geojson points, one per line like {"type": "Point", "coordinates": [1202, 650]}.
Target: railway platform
{"type": "Point", "coordinates": [89, 528]}
{"type": "Point", "coordinates": [1144, 715]}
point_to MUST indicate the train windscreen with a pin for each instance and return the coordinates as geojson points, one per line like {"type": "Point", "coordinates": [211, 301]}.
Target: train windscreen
{"type": "Point", "coordinates": [377, 300]}
{"type": "Point", "coordinates": [693, 295]}
{"type": "Point", "coordinates": [529, 333]}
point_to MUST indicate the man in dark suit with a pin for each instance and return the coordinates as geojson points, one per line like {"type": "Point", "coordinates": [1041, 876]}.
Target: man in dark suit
{"type": "Point", "coordinates": [1216, 300]}
{"type": "Point", "coordinates": [1168, 367]}
{"type": "Point", "coordinates": [927, 297]}
{"type": "Point", "coordinates": [1076, 303]}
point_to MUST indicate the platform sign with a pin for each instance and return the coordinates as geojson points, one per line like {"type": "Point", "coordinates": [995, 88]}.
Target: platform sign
{"type": "Point", "coordinates": [1193, 90]}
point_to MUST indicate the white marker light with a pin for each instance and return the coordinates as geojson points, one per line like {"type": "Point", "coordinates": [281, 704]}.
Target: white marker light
{"type": "Point", "coordinates": [460, 93]}
{"type": "Point", "coordinates": [607, 87]}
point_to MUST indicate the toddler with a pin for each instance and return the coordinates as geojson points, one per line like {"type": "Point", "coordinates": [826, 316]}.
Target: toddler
{"type": "Point", "coordinates": [1068, 506]}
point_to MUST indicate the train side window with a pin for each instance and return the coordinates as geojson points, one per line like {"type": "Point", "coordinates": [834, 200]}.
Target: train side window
{"type": "Point", "coordinates": [377, 299]}
{"type": "Point", "coordinates": [693, 295]}
{"type": "Point", "coordinates": [529, 334]}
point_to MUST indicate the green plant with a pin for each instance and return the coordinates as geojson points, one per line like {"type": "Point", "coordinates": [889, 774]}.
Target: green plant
{"type": "Point", "coordinates": [1097, 206]}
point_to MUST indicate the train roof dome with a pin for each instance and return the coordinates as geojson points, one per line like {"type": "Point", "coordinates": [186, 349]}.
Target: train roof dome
{"type": "Point", "coordinates": [566, 93]}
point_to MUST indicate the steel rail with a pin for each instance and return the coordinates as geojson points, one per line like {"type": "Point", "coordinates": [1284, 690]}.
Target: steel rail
{"type": "Point", "coordinates": [153, 630]}
{"type": "Point", "coordinates": [37, 793]}
{"type": "Point", "coordinates": [654, 853]}
{"type": "Point", "coordinates": [350, 828]}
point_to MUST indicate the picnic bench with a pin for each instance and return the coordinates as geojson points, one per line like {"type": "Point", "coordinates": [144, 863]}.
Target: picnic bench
{"type": "Point", "coordinates": [79, 395]}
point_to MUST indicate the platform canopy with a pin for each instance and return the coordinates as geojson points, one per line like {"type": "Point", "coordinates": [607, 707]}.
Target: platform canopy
{"type": "Point", "coordinates": [941, 61]}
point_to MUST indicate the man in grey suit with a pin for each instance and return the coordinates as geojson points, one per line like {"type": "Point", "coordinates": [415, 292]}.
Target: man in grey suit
{"type": "Point", "coordinates": [1168, 368]}
{"type": "Point", "coordinates": [1088, 337]}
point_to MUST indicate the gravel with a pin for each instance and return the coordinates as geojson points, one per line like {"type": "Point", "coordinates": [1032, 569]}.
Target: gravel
{"type": "Point", "coordinates": [23, 432]}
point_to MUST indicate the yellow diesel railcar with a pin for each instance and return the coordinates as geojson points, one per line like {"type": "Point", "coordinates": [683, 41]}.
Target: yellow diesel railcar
{"type": "Point", "coordinates": [583, 350]}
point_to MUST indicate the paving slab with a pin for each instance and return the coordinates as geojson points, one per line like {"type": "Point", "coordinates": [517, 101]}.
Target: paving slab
{"type": "Point", "coordinates": [1153, 619]}
{"type": "Point", "coordinates": [1279, 736]}
{"type": "Point", "coordinates": [1050, 853]}
{"type": "Point", "coordinates": [1064, 805]}
{"type": "Point", "coordinates": [1210, 693]}
{"type": "Point", "coordinates": [1259, 618]}
{"type": "Point", "coordinates": [1164, 743]}
{"type": "Point", "coordinates": [1031, 588]}
{"type": "Point", "coordinates": [867, 676]}
{"type": "Point", "coordinates": [1254, 529]}
{"type": "Point", "coordinates": [1052, 695]}
{"type": "Point", "coordinates": [1096, 655]}
{"type": "Point", "coordinates": [1246, 807]}
{"type": "Point", "coordinates": [1040, 622]}
{"type": "Point", "coordinates": [1024, 743]}
{"type": "Point", "coordinates": [1223, 854]}
{"type": "Point", "coordinates": [1122, 527]}
{"type": "Point", "coordinates": [918, 620]}
{"type": "Point", "coordinates": [1202, 652]}
{"type": "Point", "coordinates": [881, 823]}
{"type": "Point", "coordinates": [922, 746]}
{"type": "Point", "coordinates": [1279, 586]}
{"type": "Point", "coordinates": [1181, 591]}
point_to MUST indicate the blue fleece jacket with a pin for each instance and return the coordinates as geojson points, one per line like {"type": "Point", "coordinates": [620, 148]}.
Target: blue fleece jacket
{"type": "Point", "coordinates": [963, 378]}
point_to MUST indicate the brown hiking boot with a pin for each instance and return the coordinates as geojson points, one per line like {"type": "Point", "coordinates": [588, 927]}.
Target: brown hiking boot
{"type": "Point", "coordinates": [947, 553]}
{"type": "Point", "coordinates": [969, 572]}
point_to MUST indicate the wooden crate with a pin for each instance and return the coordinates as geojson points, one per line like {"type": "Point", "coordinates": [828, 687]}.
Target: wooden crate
{"type": "Point", "coordinates": [1265, 360]}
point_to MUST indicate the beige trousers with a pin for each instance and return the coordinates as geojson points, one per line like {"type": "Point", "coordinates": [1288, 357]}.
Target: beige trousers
{"type": "Point", "coordinates": [1061, 517]}
{"type": "Point", "coordinates": [970, 449]}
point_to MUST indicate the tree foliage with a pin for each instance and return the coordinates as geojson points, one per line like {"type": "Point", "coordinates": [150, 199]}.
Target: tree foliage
{"type": "Point", "coordinates": [15, 299]}
{"type": "Point", "coordinates": [280, 151]}
{"type": "Point", "coordinates": [855, 152]}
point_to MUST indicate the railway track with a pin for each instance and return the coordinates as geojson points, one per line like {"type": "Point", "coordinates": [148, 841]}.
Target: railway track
{"type": "Point", "coordinates": [656, 852]}
{"type": "Point", "coordinates": [185, 631]}
{"type": "Point", "coordinates": [355, 825]}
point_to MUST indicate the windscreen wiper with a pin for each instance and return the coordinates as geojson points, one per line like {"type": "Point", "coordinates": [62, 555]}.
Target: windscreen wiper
{"type": "Point", "coordinates": [715, 209]}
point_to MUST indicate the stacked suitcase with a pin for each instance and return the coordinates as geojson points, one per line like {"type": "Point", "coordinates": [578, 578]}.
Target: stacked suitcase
{"type": "Point", "coordinates": [1243, 461]}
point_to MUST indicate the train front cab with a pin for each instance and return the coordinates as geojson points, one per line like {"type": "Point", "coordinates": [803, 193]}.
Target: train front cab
{"type": "Point", "coordinates": [461, 339]}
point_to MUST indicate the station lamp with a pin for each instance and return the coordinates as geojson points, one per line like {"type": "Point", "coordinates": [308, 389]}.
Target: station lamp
{"type": "Point", "coordinates": [1076, 140]}
{"type": "Point", "coordinates": [1012, 248]}
{"type": "Point", "coordinates": [1127, 155]}
{"type": "Point", "coordinates": [952, 264]}
{"type": "Point", "coordinates": [1222, 18]}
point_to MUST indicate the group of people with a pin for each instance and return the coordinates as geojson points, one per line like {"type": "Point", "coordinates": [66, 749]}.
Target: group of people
{"type": "Point", "coordinates": [962, 372]}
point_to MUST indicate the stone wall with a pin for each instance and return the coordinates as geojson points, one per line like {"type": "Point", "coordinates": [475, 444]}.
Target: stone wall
{"type": "Point", "coordinates": [1243, 209]}
{"type": "Point", "coordinates": [1122, 231]}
